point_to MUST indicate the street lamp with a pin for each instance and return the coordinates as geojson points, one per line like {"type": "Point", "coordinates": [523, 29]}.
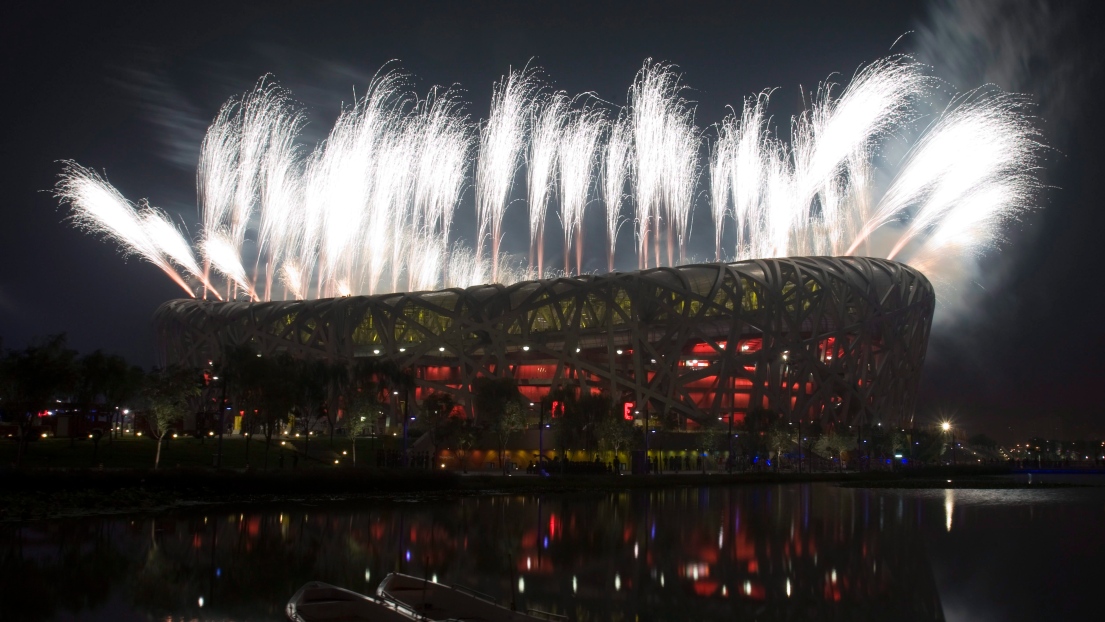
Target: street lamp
{"type": "Point", "coordinates": [947, 428]}
{"type": "Point", "coordinates": [406, 420]}
{"type": "Point", "coordinates": [541, 436]}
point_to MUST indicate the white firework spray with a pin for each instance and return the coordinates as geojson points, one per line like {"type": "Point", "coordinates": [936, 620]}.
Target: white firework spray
{"type": "Point", "coordinates": [444, 141]}
{"type": "Point", "coordinates": [746, 169]}
{"type": "Point", "coordinates": [680, 178]}
{"type": "Point", "coordinates": [578, 150]}
{"type": "Point", "coordinates": [549, 118]}
{"type": "Point", "coordinates": [721, 157]}
{"type": "Point", "coordinates": [501, 144]}
{"type": "Point", "coordinates": [281, 194]}
{"type": "Point", "coordinates": [616, 161]}
{"type": "Point", "coordinates": [662, 123]}
{"type": "Point", "coordinates": [99, 208]}
{"type": "Point", "coordinates": [380, 194]}
{"type": "Point", "coordinates": [981, 143]}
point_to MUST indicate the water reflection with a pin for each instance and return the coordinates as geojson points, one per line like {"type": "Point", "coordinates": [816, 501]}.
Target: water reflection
{"type": "Point", "coordinates": [765, 553]}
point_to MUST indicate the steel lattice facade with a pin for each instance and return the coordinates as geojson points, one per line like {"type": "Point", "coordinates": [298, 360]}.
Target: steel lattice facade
{"type": "Point", "coordinates": [835, 338]}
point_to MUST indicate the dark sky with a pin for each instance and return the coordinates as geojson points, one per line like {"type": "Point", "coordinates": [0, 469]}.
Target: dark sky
{"type": "Point", "coordinates": [129, 89]}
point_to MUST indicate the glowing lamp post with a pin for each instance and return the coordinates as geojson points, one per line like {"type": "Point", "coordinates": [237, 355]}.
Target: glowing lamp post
{"type": "Point", "coordinates": [947, 428]}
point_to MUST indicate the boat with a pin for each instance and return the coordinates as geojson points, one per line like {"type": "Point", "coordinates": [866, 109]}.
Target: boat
{"type": "Point", "coordinates": [439, 602]}
{"type": "Point", "coordinates": [322, 602]}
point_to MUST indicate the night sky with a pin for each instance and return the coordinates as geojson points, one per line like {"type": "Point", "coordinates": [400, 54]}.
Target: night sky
{"type": "Point", "coordinates": [129, 91]}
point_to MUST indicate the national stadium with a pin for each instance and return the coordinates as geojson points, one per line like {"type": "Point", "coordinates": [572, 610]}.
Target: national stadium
{"type": "Point", "coordinates": [833, 339]}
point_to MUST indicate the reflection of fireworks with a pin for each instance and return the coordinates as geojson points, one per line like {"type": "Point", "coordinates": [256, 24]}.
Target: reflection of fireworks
{"type": "Point", "coordinates": [372, 207]}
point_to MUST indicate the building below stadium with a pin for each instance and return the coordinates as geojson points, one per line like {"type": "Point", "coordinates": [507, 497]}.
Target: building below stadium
{"type": "Point", "coordinates": [837, 339]}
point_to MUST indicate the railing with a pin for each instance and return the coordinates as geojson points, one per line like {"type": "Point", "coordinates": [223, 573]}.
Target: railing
{"type": "Point", "coordinates": [552, 617]}
{"type": "Point", "coordinates": [472, 592]}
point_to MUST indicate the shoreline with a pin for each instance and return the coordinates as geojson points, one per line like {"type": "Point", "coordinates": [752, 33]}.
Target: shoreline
{"type": "Point", "coordinates": [37, 495]}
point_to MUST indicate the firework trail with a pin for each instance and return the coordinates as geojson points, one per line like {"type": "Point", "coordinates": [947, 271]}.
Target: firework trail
{"type": "Point", "coordinates": [549, 117]}
{"type": "Point", "coordinates": [223, 254]}
{"type": "Point", "coordinates": [167, 239]}
{"type": "Point", "coordinates": [98, 207]}
{"type": "Point", "coordinates": [650, 98]}
{"type": "Point", "coordinates": [721, 156]}
{"type": "Point", "coordinates": [746, 172]}
{"type": "Point", "coordinates": [980, 141]}
{"type": "Point", "coordinates": [444, 141]}
{"type": "Point", "coordinates": [578, 150]}
{"type": "Point", "coordinates": [663, 143]}
{"type": "Point", "coordinates": [281, 193]}
{"type": "Point", "coordinates": [680, 178]}
{"type": "Point", "coordinates": [615, 170]}
{"type": "Point", "coordinates": [502, 140]}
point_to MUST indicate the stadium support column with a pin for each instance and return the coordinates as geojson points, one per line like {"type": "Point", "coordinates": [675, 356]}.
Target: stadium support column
{"type": "Point", "coordinates": [222, 425]}
{"type": "Point", "coordinates": [406, 420]}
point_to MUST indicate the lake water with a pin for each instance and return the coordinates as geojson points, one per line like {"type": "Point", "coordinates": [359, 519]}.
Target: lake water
{"type": "Point", "coordinates": [776, 552]}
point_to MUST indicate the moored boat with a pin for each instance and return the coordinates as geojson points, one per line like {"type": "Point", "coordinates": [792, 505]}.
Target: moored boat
{"type": "Point", "coordinates": [322, 602]}
{"type": "Point", "coordinates": [439, 602]}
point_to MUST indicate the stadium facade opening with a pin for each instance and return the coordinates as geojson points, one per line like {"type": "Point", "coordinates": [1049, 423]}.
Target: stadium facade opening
{"type": "Point", "coordinates": [839, 339]}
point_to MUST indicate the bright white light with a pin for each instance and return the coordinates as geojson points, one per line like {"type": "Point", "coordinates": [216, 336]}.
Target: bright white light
{"type": "Point", "coordinates": [372, 205]}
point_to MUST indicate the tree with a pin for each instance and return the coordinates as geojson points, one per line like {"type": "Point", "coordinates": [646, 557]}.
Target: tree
{"type": "Point", "coordinates": [167, 393]}
{"type": "Point", "coordinates": [499, 404]}
{"type": "Point", "coordinates": [811, 434]}
{"type": "Point", "coordinates": [982, 441]}
{"type": "Point", "coordinates": [614, 433]}
{"type": "Point", "coordinates": [356, 425]}
{"type": "Point", "coordinates": [311, 385]}
{"type": "Point", "coordinates": [243, 376]}
{"type": "Point", "coordinates": [465, 434]}
{"type": "Point", "coordinates": [360, 392]}
{"type": "Point", "coordinates": [105, 382]}
{"type": "Point", "coordinates": [591, 409]}
{"type": "Point", "coordinates": [437, 420]}
{"type": "Point", "coordinates": [31, 380]}
{"type": "Point", "coordinates": [122, 384]}
{"type": "Point", "coordinates": [709, 438]}
{"type": "Point", "coordinates": [779, 436]}
{"type": "Point", "coordinates": [835, 443]}
{"type": "Point", "coordinates": [753, 431]}
{"type": "Point", "coordinates": [276, 394]}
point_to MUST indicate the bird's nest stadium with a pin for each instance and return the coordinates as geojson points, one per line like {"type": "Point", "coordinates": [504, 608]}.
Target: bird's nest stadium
{"type": "Point", "coordinates": [838, 339]}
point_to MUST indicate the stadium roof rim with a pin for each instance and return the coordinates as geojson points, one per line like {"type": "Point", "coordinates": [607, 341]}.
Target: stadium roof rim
{"type": "Point", "coordinates": [859, 270]}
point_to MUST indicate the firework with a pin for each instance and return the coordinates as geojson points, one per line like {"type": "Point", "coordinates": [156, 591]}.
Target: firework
{"type": "Point", "coordinates": [443, 144]}
{"type": "Point", "coordinates": [578, 149]}
{"type": "Point", "coordinates": [549, 117]}
{"type": "Point", "coordinates": [615, 170]}
{"type": "Point", "coordinates": [373, 205]}
{"type": "Point", "coordinates": [978, 143]}
{"type": "Point", "coordinates": [502, 139]}
{"type": "Point", "coordinates": [99, 208]}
